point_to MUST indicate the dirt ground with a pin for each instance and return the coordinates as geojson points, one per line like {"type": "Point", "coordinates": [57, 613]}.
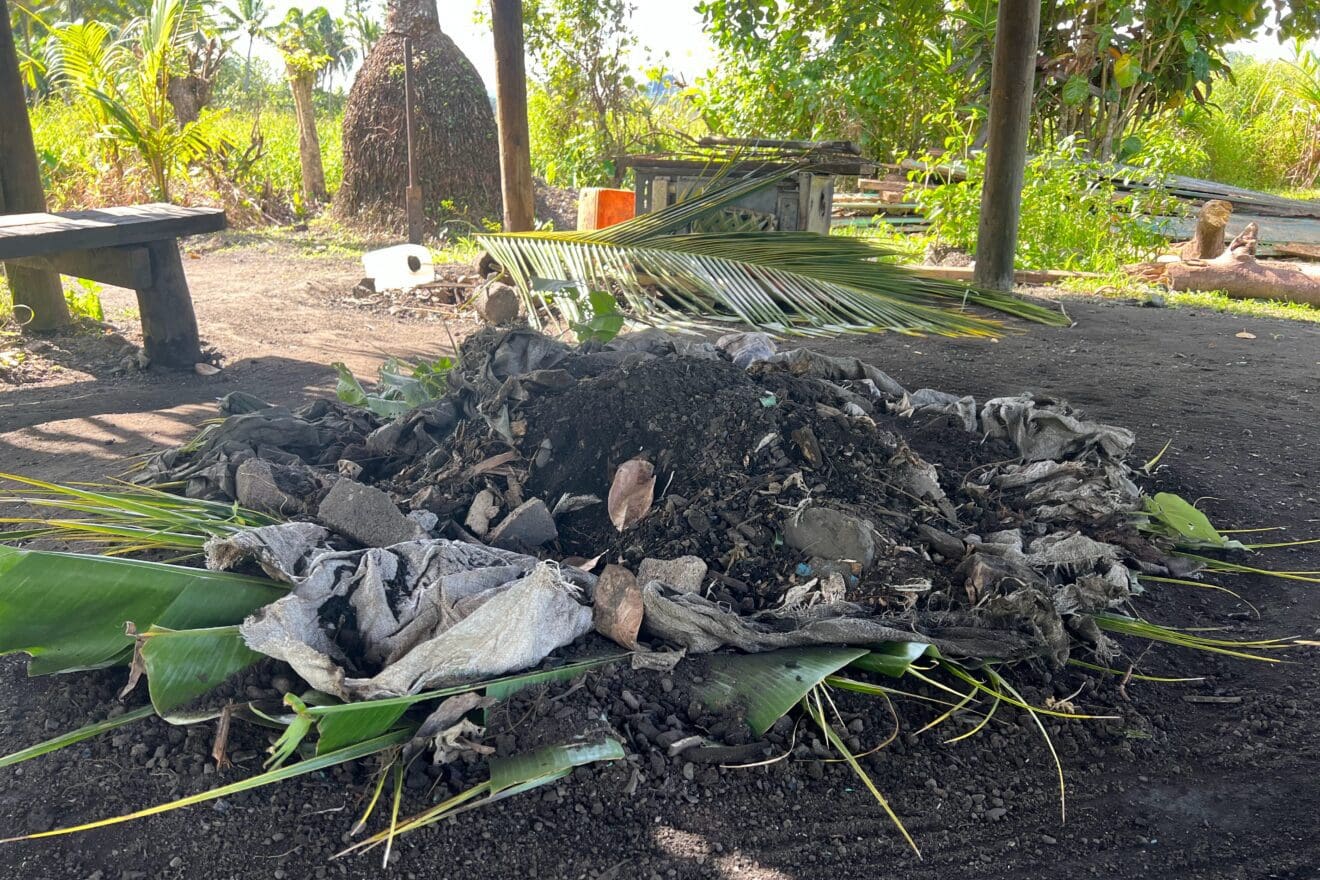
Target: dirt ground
{"type": "Point", "coordinates": [1193, 789]}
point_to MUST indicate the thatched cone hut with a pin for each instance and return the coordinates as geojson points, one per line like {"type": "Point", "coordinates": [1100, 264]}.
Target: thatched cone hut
{"type": "Point", "coordinates": [456, 144]}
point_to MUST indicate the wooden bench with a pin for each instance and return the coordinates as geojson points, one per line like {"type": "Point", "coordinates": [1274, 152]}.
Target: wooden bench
{"type": "Point", "coordinates": [134, 247]}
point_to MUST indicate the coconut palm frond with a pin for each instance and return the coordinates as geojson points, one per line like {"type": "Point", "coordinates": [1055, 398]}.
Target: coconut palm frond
{"type": "Point", "coordinates": [786, 282]}
{"type": "Point", "coordinates": [792, 283]}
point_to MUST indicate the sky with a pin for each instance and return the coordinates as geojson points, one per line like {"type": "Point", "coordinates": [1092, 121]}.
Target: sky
{"type": "Point", "coordinates": [668, 30]}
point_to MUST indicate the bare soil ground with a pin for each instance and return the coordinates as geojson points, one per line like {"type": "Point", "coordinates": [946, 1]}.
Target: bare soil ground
{"type": "Point", "coordinates": [1192, 789]}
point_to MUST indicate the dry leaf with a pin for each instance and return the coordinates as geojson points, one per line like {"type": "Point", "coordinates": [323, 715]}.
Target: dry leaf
{"type": "Point", "coordinates": [205, 369]}
{"type": "Point", "coordinates": [631, 493]}
{"type": "Point", "coordinates": [617, 606]}
{"type": "Point", "coordinates": [1245, 335]}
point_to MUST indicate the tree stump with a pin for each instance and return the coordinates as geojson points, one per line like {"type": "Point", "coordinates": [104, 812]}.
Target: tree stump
{"type": "Point", "coordinates": [1208, 240]}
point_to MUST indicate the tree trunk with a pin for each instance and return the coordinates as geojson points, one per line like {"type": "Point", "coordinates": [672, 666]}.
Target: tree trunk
{"type": "Point", "coordinates": [188, 95]}
{"type": "Point", "coordinates": [1208, 240]}
{"type": "Point", "coordinates": [1012, 78]}
{"type": "Point", "coordinates": [511, 89]}
{"type": "Point", "coordinates": [35, 291]}
{"type": "Point", "coordinates": [309, 144]}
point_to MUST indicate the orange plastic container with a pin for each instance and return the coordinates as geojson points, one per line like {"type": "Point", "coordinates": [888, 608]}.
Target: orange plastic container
{"type": "Point", "coordinates": [599, 207]}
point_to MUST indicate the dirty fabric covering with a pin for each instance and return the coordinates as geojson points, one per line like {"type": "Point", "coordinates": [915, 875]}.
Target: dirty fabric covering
{"type": "Point", "coordinates": [427, 613]}
{"type": "Point", "coordinates": [702, 626]}
{"type": "Point", "coordinates": [320, 433]}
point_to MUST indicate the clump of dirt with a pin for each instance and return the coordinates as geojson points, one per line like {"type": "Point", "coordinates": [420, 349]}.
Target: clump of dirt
{"type": "Point", "coordinates": [734, 457]}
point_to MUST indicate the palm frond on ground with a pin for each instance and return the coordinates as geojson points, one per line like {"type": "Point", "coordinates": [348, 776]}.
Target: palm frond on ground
{"type": "Point", "coordinates": [786, 282]}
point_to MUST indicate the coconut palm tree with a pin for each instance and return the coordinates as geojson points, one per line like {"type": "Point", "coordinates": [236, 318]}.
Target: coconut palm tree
{"type": "Point", "coordinates": [246, 18]}
{"type": "Point", "coordinates": [301, 40]}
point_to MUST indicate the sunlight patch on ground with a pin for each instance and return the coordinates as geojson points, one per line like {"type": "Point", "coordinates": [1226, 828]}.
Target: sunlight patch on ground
{"type": "Point", "coordinates": [686, 845]}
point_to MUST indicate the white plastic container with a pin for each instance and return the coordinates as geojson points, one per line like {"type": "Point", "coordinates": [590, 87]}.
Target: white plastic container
{"type": "Point", "coordinates": [400, 267]}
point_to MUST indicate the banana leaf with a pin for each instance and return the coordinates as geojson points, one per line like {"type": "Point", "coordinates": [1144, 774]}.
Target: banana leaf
{"type": "Point", "coordinates": [341, 724]}
{"type": "Point", "coordinates": [182, 665]}
{"type": "Point", "coordinates": [69, 611]}
{"type": "Point", "coordinates": [765, 686]}
{"type": "Point", "coordinates": [786, 282]}
{"type": "Point", "coordinates": [280, 774]}
{"type": "Point", "coordinates": [96, 728]}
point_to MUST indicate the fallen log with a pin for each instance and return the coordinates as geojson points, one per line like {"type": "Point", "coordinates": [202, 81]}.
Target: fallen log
{"type": "Point", "coordinates": [1020, 276]}
{"type": "Point", "coordinates": [1237, 273]}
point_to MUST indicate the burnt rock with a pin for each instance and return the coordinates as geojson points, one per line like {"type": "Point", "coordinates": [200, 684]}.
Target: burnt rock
{"type": "Point", "coordinates": [685, 574]}
{"type": "Point", "coordinates": [366, 515]}
{"type": "Point", "coordinates": [941, 542]}
{"type": "Point", "coordinates": [831, 534]}
{"type": "Point", "coordinates": [527, 527]}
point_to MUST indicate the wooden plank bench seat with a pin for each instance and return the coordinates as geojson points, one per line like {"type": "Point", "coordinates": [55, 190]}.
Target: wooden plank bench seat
{"type": "Point", "coordinates": [135, 247]}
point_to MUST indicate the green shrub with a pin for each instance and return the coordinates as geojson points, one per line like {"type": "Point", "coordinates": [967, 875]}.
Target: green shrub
{"type": "Point", "coordinates": [1072, 214]}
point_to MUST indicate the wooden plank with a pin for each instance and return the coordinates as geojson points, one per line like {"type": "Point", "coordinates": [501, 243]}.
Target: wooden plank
{"type": "Point", "coordinates": [819, 203]}
{"type": "Point", "coordinates": [30, 235]}
{"type": "Point", "coordinates": [659, 193]}
{"type": "Point", "coordinates": [674, 167]}
{"type": "Point", "coordinates": [119, 267]}
{"type": "Point", "coordinates": [1273, 230]}
{"type": "Point", "coordinates": [1298, 249]}
{"type": "Point", "coordinates": [772, 143]}
{"type": "Point", "coordinates": [882, 186]}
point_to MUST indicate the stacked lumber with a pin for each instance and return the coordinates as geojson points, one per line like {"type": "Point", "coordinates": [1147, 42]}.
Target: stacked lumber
{"type": "Point", "coordinates": [1283, 226]}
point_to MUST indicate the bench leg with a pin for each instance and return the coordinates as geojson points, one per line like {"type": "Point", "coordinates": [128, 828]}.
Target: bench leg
{"type": "Point", "coordinates": [169, 327]}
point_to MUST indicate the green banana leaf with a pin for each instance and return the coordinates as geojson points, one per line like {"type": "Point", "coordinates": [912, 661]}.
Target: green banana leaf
{"type": "Point", "coordinates": [549, 763]}
{"type": "Point", "coordinates": [766, 686]}
{"type": "Point", "coordinates": [341, 724]}
{"type": "Point", "coordinates": [893, 658]}
{"type": "Point", "coordinates": [54, 744]}
{"type": "Point", "coordinates": [69, 611]}
{"type": "Point", "coordinates": [183, 664]}
{"type": "Point", "coordinates": [311, 765]}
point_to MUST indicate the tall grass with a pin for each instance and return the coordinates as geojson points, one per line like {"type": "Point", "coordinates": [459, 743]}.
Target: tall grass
{"type": "Point", "coordinates": [1073, 216]}
{"type": "Point", "coordinates": [1254, 132]}
{"type": "Point", "coordinates": [76, 175]}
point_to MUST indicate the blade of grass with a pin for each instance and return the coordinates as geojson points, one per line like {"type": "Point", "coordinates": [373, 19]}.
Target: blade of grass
{"type": "Point", "coordinates": [1001, 684]}
{"type": "Point", "coordinates": [311, 765]}
{"type": "Point", "coordinates": [76, 736]}
{"type": "Point", "coordinates": [813, 706]}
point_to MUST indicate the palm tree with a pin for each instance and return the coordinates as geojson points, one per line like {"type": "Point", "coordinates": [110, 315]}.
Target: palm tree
{"type": "Point", "coordinates": [301, 40]}
{"type": "Point", "coordinates": [332, 37]}
{"type": "Point", "coordinates": [366, 31]}
{"type": "Point", "coordinates": [246, 18]}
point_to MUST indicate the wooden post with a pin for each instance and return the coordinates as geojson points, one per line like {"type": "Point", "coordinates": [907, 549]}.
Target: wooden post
{"type": "Point", "coordinates": [39, 290]}
{"type": "Point", "coordinates": [413, 195]}
{"type": "Point", "coordinates": [1011, 80]}
{"type": "Point", "coordinates": [169, 326]}
{"type": "Point", "coordinates": [511, 110]}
